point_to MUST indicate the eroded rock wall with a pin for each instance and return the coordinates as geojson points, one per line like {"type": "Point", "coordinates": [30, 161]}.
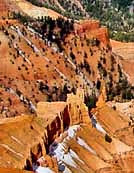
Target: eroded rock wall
{"type": "Point", "coordinates": [94, 27]}
{"type": "Point", "coordinates": [77, 109]}
{"type": "Point", "coordinates": [26, 138]}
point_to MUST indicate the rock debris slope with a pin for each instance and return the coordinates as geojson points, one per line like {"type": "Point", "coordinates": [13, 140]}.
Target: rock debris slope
{"type": "Point", "coordinates": [33, 71]}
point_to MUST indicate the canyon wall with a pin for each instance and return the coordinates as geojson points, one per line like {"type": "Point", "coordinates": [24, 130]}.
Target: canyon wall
{"type": "Point", "coordinates": [25, 139]}
{"type": "Point", "coordinates": [86, 60]}
{"type": "Point", "coordinates": [95, 29]}
{"type": "Point", "coordinates": [125, 55]}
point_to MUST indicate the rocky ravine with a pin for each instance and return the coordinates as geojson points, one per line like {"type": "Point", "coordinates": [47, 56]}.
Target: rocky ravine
{"type": "Point", "coordinates": [62, 138]}
{"type": "Point", "coordinates": [21, 147]}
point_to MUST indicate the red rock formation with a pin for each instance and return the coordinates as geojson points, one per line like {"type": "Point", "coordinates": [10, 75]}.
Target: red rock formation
{"type": "Point", "coordinates": [103, 36]}
{"type": "Point", "coordinates": [77, 109]}
{"type": "Point", "coordinates": [94, 27]}
{"type": "Point", "coordinates": [23, 67]}
{"type": "Point", "coordinates": [102, 98]}
{"type": "Point", "coordinates": [86, 25]}
{"type": "Point", "coordinates": [125, 53]}
{"type": "Point", "coordinates": [30, 139]}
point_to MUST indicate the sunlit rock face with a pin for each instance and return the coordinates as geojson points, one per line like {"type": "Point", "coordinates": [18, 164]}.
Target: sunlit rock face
{"type": "Point", "coordinates": [105, 151]}
{"type": "Point", "coordinates": [34, 70]}
{"type": "Point", "coordinates": [125, 52]}
{"type": "Point", "coordinates": [60, 136]}
{"type": "Point", "coordinates": [32, 137]}
{"type": "Point", "coordinates": [63, 138]}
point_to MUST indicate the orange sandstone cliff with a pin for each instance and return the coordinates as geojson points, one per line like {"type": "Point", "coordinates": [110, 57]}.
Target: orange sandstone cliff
{"type": "Point", "coordinates": [94, 27]}
{"type": "Point", "coordinates": [25, 139]}
{"type": "Point", "coordinates": [33, 71]}
{"type": "Point", "coordinates": [125, 52]}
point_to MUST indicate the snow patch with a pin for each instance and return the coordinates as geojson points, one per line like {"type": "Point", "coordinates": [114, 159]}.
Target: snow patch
{"type": "Point", "coordinates": [67, 170]}
{"type": "Point", "coordinates": [100, 128]}
{"type": "Point", "coordinates": [74, 155]}
{"type": "Point", "coordinates": [97, 124]}
{"type": "Point", "coordinates": [85, 145]}
{"type": "Point", "coordinates": [59, 152]}
{"type": "Point", "coordinates": [64, 154]}
{"type": "Point", "coordinates": [72, 131]}
{"type": "Point", "coordinates": [43, 170]}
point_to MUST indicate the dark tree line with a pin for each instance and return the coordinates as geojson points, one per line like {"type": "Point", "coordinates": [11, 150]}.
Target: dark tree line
{"type": "Point", "coordinates": [56, 29]}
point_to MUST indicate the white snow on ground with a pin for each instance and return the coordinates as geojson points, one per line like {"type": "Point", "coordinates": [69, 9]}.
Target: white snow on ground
{"type": "Point", "coordinates": [74, 155]}
{"type": "Point", "coordinates": [43, 170]}
{"type": "Point", "coordinates": [28, 41]}
{"type": "Point", "coordinates": [72, 130]}
{"type": "Point", "coordinates": [60, 73]}
{"type": "Point", "coordinates": [97, 125]}
{"type": "Point", "coordinates": [67, 170]}
{"type": "Point", "coordinates": [33, 31]}
{"type": "Point", "coordinates": [59, 153]}
{"type": "Point", "coordinates": [21, 53]}
{"type": "Point", "coordinates": [65, 156]}
{"type": "Point", "coordinates": [100, 128]}
{"type": "Point", "coordinates": [85, 145]}
{"type": "Point", "coordinates": [59, 150]}
{"type": "Point", "coordinates": [80, 73]}
{"type": "Point", "coordinates": [55, 49]}
{"type": "Point", "coordinates": [22, 98]}
{"type": "Point", "coordinates": [68, 159]}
